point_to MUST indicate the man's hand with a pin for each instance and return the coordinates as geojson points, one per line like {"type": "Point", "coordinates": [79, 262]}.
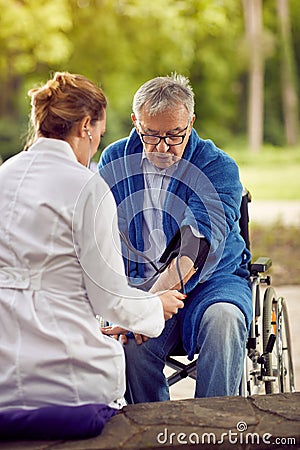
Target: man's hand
{"type": "Point", "coordinates": [117, 332]}
{"type": "Point", "coordinates": [139, 338]}
{"type": "Point", "coordinates": [114, 331]}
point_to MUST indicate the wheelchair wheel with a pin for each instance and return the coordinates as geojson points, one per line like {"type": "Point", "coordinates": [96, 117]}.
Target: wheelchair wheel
{"type": "Point", "coordinates": [278, 363]}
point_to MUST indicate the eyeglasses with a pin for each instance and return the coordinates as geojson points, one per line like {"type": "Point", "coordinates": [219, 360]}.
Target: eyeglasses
{"type": "Point", "coordinates": [170, 140]}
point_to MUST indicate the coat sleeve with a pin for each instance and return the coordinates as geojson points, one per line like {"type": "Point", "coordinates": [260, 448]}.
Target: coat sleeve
{"type": "Point", "coordinates": [97, 243]}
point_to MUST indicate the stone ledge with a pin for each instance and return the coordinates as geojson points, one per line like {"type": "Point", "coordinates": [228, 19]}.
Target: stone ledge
{"type": "Point", "coordinates": [262, 422]}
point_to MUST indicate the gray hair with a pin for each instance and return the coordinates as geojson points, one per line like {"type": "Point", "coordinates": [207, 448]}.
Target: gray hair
{"type": "Point", "coordinates": [162, 93]}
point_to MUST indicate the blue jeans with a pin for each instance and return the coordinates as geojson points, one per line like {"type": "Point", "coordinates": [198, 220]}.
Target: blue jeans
{"type": "Point", "coordinates": [221, 345]}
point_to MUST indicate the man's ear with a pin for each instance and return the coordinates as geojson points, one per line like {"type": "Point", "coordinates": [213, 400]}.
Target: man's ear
{"type": "Point", "coordinates": [193, 119]}
{"type": "Point", "coordinates": [134, 120]}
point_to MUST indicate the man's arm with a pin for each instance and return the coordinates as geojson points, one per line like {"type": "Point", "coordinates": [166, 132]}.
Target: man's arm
{"type": "Point", "coordinates": [189, 256]}
{"type": "Point", "coordinates": [170, 276]}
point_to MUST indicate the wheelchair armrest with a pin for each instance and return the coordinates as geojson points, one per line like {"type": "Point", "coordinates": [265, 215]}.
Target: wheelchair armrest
{"type": "Point", "coordinates": [261, 265]}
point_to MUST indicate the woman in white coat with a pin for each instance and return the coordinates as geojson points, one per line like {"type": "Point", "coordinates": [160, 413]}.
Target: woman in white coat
{"type": "Point", "coordinates": [60, 261]}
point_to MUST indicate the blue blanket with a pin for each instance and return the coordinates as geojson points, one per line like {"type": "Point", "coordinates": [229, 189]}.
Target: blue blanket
{"type": "Point", "coordinates": [205, 192]}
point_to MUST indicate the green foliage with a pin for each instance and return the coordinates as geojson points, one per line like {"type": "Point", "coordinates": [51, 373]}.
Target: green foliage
{"type": "Point", "coordinates": [216, 81]}
{"type": "Point", "coordinates": [120, 44]}
{"type": "Point", "coordinates": [32, 39]}
{"type": "Point", "coordinates": [33, 32]}
{"type": "Point", "coordinates": [12, 137]}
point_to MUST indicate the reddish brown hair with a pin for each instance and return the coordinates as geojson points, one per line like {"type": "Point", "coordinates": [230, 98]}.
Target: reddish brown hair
{"type": "Point", "coordinates": [62, 101]}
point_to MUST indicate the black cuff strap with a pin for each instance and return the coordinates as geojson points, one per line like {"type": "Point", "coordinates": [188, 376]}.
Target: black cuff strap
{"type": "Point", "coordinates": [185, 243]}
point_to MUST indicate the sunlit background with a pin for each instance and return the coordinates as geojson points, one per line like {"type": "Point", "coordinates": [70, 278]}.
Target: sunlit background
{"type": "Point", "coordinates": [242, 58]}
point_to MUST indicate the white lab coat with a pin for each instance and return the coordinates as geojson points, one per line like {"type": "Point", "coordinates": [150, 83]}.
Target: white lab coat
{"type": "Point", "coordinates": [60, 265]}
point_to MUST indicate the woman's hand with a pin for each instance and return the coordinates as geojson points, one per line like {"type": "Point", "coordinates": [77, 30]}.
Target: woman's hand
{"type": "Point", "coordinates": [171, 301]}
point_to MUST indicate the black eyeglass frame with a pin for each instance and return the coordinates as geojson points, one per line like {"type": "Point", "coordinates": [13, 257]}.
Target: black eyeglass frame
{"type": "Point", "coordinates": [182, 136]}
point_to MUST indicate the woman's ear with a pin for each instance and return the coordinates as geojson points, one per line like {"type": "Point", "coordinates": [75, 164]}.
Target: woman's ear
{"type": "Point", "coordinates": [84, 125]}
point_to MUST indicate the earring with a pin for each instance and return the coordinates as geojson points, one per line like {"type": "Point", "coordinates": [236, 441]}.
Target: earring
{"type": "Point", "coordinates": [89, 134]}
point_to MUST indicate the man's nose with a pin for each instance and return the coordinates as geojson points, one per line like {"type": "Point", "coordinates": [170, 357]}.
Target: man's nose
{"type": "Point", "coordinates": [162, 147]}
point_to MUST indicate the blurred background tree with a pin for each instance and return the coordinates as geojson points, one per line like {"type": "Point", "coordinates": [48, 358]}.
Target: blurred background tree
{"type": "Point", "coordinates": [289, 85]}
{"type": "Point", "coordinates": [122, 43]}
{"type": "Point", "coordinates": [33, 38]}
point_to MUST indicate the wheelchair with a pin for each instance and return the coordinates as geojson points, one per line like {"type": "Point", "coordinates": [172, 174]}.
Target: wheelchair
{"type": "Point", "coordinates": [268, 366]}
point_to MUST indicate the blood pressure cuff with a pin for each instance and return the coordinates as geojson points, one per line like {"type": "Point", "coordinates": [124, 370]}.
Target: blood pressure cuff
{"type": "Point", "coordinates": [185, 243]}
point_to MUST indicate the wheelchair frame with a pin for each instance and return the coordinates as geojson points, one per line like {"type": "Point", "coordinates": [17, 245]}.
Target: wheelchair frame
{"type": "Point", "coordinates": [268, 360]}
{"type": "Point", "coordinates": [269, 350]}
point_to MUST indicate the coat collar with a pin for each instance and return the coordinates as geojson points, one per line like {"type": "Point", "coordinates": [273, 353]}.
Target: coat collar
{"type": "Point", "coordinates": [53, 145]}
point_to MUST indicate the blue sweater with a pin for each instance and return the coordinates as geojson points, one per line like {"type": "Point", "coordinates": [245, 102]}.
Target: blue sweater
{"type": "Point", "coordinates": [204, 192]}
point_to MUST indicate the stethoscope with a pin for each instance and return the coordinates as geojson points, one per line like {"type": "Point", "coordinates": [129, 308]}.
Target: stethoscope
{"type": "Point", "coordinates": [158, 270]}
{"type": "Point", "coordinates": [129, 246]}
{"type": "Point", "coordinates": [90, 149]}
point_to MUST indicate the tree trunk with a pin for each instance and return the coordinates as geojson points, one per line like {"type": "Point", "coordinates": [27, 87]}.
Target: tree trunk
{"type": "Point", "coordinates": [288, 75]}
{"type": "Point", "coordinates": [254, 32]}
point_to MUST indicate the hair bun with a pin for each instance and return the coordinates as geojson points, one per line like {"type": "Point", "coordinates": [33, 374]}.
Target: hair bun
{"type": "Point", "coordinates": [63, 102]}
{"type": "Point", "coordinates": [51, 88]}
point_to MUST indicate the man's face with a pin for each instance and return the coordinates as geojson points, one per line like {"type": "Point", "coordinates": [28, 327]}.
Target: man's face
{"type": "Point", "coordinates": [174, 125]}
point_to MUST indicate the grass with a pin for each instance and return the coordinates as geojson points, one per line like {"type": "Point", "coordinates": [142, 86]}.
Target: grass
{"type": "Point", "coordinates": [282, 244]}
{"type": "Point", "coordinates": [272, 174]}
{"type": "Point", "coordinates": [273, 183]}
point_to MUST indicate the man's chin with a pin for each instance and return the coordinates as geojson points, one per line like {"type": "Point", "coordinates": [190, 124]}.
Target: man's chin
{"type": "Point", "coordinates": [163, 162]}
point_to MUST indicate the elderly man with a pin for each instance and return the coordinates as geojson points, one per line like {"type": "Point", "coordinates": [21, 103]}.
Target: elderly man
{"type": "Point", "coordinates": [178, 199]}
